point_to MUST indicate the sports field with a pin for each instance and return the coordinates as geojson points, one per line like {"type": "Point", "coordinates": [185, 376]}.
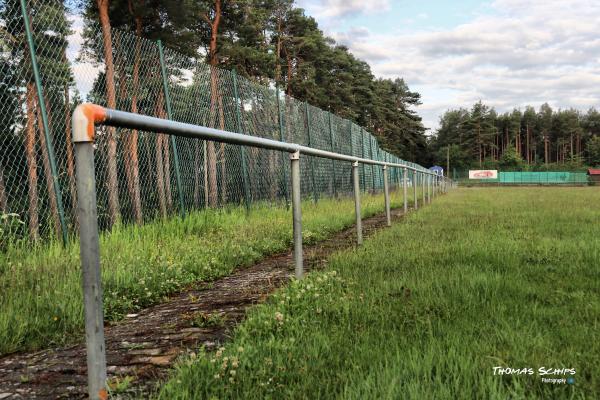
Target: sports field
{"type": "Point", "coordinates": [484, 279]}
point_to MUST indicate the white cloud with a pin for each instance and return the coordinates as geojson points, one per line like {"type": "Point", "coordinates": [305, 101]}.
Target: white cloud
{"type": "Point", "coordinates": [84, 72]}
{"type": "Point", "coordinates": [525, 52]}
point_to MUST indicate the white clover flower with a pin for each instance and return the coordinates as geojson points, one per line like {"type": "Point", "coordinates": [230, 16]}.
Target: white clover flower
{"type": "Point", "coordinates": [279, 316]}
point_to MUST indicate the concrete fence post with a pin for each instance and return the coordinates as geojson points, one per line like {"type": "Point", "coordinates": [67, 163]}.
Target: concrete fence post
{"type": "Point", "coordinates": [429, 189]}
{"type": "Point", "coordinates": [423, 180]}
{"type": "Point", "coordinates": [416, 201]}
{"type": "Point", "coordinates": [386, 194]}
{"type": "Point", "coordinates": [297, 213]}
{"type": "Point", "coordinates": [356, 183]}
{"type": "Point", "coordinates": [405, 188]}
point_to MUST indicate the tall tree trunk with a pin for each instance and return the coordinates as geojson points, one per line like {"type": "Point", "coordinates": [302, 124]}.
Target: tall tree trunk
{"type": "Point", "coordinates": [111, 102]}
{"type": "Point", "coordinates": [479, 144]}
{"type": "Point", "coordinates": [288, 60]}
{"type": "Point", "coordinates": [546, 150]}
{"type": "Point", "coordinates": [205, 158]}
{"type": "Point", "coordinates": [196, 174]}
{"type": "Point", "coordinates": [32, 178]}
{"type": "Point", "coordinates": [211, 156]}
{"type": "Point", "coordinates": [223, 156]}
{"type": "Point", "coordinates": [47, 170]}
{"type": "Point", "coordinates": [132, 169]}
{"type": "Point", "coordinates": [572, 153]}
{"type": "Point", "coordinates": [278, 49]}
{"type": "Point", "coordinates": [527, 146]}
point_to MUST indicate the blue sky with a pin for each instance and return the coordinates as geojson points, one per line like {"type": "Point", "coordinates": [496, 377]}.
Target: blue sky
{"type": "Point", "coordinates": [507, 53]}
{"type": "Point", "coordinates": [402, 15]}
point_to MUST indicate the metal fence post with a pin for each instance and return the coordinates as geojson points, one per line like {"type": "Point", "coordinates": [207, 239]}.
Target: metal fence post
{"type": "Point", "coordinates": [87, 214]}
{"type": "Point", "coordinates": [416, 201]}
{"type": "Point", "coordinates": [405, 186]}
{"type": "Point", "coordinates": [312, 165]}
{"type": "Point", "coordinates": [386, 194]}
{"type": "Point", "coordinates": [282, 138]}
{"type": "Point", "coordinates": [240, 128]}
{"type": "Point", "coordinates": [332, 160]}
{"type": "Point", "coordinates": [45, 123]}
{"type": "Point", "coordinates": [297, 213]}
{"type": "Point", "coordinates": [356, 183]}
{"type": "Point", "coordinates": [163, 69]}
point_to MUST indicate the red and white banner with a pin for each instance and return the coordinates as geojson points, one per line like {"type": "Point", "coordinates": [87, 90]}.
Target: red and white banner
{"type": "Point", "coordinates": [483, 174]}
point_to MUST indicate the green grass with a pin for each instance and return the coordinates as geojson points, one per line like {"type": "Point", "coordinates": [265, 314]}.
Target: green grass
{"type": "Point", "coordinates": [484, 277]}
{"type": "Point", "coordinates": [40, 290]}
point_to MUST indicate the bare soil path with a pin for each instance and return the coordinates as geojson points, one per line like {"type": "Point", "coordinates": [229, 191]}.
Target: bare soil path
{"type": "Point", "coordinates": [144, 345]}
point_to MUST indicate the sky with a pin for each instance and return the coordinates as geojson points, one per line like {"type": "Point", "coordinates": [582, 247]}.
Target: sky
{"type": "Point", "coordinates": [506, 53]}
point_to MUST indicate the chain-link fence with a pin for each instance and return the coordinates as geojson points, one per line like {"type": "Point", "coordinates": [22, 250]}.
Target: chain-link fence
{"type": "Point", "coordinates": [48, 66]}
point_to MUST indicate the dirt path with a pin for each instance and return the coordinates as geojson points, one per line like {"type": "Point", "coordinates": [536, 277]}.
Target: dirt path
{"type": "Point", "coordinates": [144, 345]}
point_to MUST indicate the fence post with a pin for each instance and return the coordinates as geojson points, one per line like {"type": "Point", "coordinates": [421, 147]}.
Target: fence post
{"type": "Point", "coordinates": [429, 188]}
{"type": "Point", "coordinates": [416, 201]}
{"type": "Point", "coordinates": [163, 69]}
{"type": "Point", "coordinates": [356, 183]}
{"type": "Point", "coordinates": [405, 186]}
{"type": "Point", "coordinates": [332, 160]}
{"type": "Point", "coordinates": [312, 165]}
{"type": "Point", "coordinates": [297, 213]}
{"type": "Point", "coordinates": [87, 214]}
{"type": "Point", "coordinates": [45, 124]}
{"type": "Point", "coordinates": [423, 187]}
{"type": "Point", "coordinates": [386, 194]}
{"type": "Point", "coordinates": [282, 138]}
{"type": "Point", "coordinates": [240, 129]}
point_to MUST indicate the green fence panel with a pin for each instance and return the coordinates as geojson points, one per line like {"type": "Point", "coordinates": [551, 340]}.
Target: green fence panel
{"type": "Point", "coordinates": [542, 178]}
{"type": "Point", "coordinates": [143, 177]}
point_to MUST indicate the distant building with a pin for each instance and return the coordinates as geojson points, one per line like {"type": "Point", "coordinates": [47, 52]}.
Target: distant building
{"type": "Point", "coordinates": [594, 175]}
{"type": "Point", "coordinates": [438, 170]}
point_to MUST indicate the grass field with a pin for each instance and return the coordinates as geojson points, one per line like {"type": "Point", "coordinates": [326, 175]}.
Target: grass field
{"type": "Point", "coordinates": [40, 290]}
{"type": "Point", "coordinates": [483, 278]}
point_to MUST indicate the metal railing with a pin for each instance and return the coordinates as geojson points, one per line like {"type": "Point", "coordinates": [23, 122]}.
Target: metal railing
{"type": "Point", "coordinates": [85, 119]}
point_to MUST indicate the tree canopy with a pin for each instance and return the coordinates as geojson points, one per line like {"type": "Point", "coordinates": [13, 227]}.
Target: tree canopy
{"type": "Point", "coordinates": [529, 139]}
{"type": "Point", "coordinates": [274, 42]}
